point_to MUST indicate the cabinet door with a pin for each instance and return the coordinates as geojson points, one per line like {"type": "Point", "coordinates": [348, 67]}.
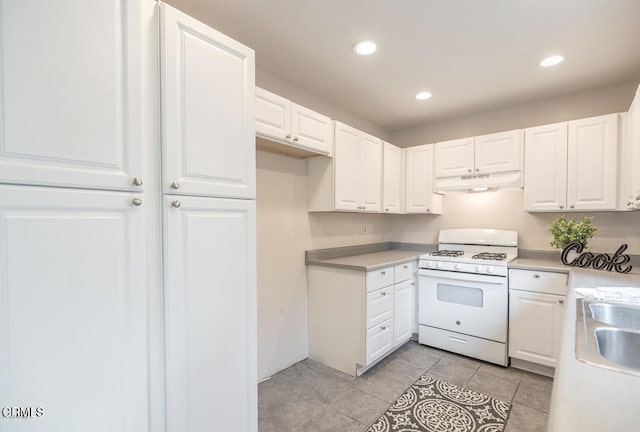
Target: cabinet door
{"type": "Point", "coordinates": [391, 178]}
{"type": "Point", "coordinates": [499, 152]}
{"type": "Point", "coordinates": [592, 163]}
{"type": "Point", "coordinates": [70, 102]}
{"type": "Point", "coordinates": [371, 181]}
{"type": "Point", "coordinates": [420, 196]}
{"type": "Point", "coordinates": [545, 181]}
{"type": "Point", "coordinates": [210, 314]}
{"type": "Point", "coordinates": [454, 158]}
{"type": "Point", "coordinates": [207, 110]}
{"type": "Point", "coordinates": [535, 321]}
{"type": "Point", "coordinates": [404, 305]}
{"type": "Point", "coordinates": [273, 115]}
{"type": "Point", "coordinates": [72, 309]}
{"type": "Point", "coordinates": [632, 198]}
{"type": "Point", "coordinates": [378, 341]}
{"type": "Point", "coordinates": [311, 130]}
{"type": "Point", "coordinates": [348, 168]}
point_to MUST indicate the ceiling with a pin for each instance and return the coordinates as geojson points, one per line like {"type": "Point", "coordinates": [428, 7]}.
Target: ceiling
{"type": "Point", "coordinates": [472, 55]}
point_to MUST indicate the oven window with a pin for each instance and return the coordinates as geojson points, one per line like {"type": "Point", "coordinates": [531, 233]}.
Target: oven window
{"type": "Point", "coordinates": [461, 295]}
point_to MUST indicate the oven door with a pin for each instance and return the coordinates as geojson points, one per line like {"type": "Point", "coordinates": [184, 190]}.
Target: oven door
{"type": "Point", "coordinates": [472, 304]}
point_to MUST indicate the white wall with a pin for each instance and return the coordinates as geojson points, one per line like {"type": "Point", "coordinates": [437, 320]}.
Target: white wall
{"type": "Point", "coordinates": [504, 210]}
{"type": "Point", "coordinates": [285, 231]}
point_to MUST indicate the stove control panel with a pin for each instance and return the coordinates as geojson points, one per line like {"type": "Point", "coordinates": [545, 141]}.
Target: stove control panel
{"type": "Point", "coordinates": [464, 267]}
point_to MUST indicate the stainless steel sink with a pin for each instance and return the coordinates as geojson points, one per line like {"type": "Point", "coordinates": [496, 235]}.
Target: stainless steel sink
{"type": "Point", "coordinates": [608, 335]}
{"type": "Point", "coordinates": [616, 315]}
{"type": "Point", "coordinates": [619, 346]}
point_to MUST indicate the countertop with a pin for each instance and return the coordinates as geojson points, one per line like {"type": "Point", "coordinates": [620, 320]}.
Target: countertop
{"type": "Point", "coordinates": [369, 261]}
{"type": "Point", "coordinates": [539, 264]}
{"type": "Point", "coordinates": [586, 397]}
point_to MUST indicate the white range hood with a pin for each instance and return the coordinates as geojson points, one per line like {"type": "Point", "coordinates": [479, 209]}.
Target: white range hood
{"type": "Point", "coordinates": [481, 182]}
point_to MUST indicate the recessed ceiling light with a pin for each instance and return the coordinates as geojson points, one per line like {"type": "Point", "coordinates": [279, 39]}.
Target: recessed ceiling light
{"type": "Point", "coordinates": [423, 95]}
{"type": "Point", "coordinates": [365, 47]}
{"type": "Point", "coordinates": [552, 61]}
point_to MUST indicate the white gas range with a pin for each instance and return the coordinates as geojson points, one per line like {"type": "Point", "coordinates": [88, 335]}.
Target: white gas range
{"type": "Point", "coordinates": [463, 293]}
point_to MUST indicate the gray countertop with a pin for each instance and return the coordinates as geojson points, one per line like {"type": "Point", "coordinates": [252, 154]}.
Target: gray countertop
{"type": "Point", "coordinates": [587, 397]}
{"type": "Point", "coordinates": [369, 261]}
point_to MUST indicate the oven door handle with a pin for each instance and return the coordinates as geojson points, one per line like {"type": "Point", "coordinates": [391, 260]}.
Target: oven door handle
{"type": "Point", "coordinates": [471, 277]}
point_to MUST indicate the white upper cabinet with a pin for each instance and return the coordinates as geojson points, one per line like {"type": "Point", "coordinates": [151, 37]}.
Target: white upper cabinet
{"type": "Point", "coordinates": [485, 154]}
{"type": "Point", "coordinates": [545, 181]}
{"type": "Point", "coordinates": [70, 93]}
{"type": "Point", "coordinates": [207, 87]}
{"type": "Point", "coordinates": [279, 119]}
{"type": "Point", "coordinates": [572, 166]}
{"type": "Point", "coordinates": [499, 152]}
{"type": "Point", "coordinates": [454, 158]}
{"type": "Point", "coordinates": [74, 309]}
{"type": "Point", "coordinates": [420, 197]}
{"type": "Point", "coordinates": [629, 196]}
{"type": "Point", "coordinates": [592, 163]}
{"type": "Point", "coordinates": [273, 115]}
{"type": "Point", "coordinates": [356, 181]}
{"type": "Point", "coordinates": [392, 179]}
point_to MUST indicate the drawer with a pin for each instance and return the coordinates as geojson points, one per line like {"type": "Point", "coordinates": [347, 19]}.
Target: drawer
{"type": "Point", "coordinates": [380, 278]}
{"type": "Point", "coordinates": [538, 281]}
{"type": "Point", "coordinates": [379, 341]}
{"type": "Point", "coordinates": [379, 306]}
{"type": "Point", "coordinates": [405, 271]}
{"type": "Point", "coordinates": [483, 349]}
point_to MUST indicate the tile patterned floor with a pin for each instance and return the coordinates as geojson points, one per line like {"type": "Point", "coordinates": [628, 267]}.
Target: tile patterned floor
{"type": "Point", "coordinates": [310, 397]}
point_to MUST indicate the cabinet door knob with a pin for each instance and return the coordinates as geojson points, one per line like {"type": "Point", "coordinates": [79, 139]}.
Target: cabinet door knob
{"type": "Point", "coordinates": [405, 266]}
{"type": "Point", "coordinates": [175, 185]}
{"type": "Point", "coordinates": [572, 206]}
{"type": "Point", "coordinates": [295, 139]}
{"type": "Point", "coordinates": [428, 210]}
{"type": "Point", "coordinates": [477, 169]}
{"type": "Point", "coordinates": [136, 202]}
{"type": "Point", "coordinates": [175, 204]}
{"type": "Point", "coordinates": [382, 293]}
{"type": "Point", "coordinates": [383, 328]}
{"type": "Point", "coordinates": [561, 301]}
{"type": "Point", "coordinates": [137, 181]}
{"type": "Point", "coordinates": [288, 136]}
{"type": "Point", "coordinates": [386, 209]}
{"type": "Point", "coordinates": [537, 276]}
{"type": "Point", "coordinates": [383, 273]}
{"type": "Point", "coordinates": [561, 206]}
{"type": "Point", "coordinates": [469, 169]}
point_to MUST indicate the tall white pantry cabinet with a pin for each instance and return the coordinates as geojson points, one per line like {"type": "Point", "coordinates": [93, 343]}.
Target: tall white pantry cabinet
{"type": "Point", "coordinates": [127, 235]}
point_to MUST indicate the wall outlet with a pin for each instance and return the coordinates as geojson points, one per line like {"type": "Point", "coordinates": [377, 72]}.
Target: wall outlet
{"type": "Point", "coordinates": [364, 229]}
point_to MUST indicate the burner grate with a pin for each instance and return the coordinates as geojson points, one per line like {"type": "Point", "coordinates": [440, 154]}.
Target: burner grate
{"type": "Point", "coordinates": [490, 256]}
{"type": "Point", "coordinates": [447, 253]}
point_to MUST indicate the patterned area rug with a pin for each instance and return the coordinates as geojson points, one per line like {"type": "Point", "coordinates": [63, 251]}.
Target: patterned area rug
{"type": "Point", "coordinates": [431, 405]}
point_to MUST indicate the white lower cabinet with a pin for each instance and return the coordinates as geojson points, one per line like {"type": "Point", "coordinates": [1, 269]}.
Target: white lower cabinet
{"type": "Point", "coordinates": [357, 317]}
{"type": "Point", "coordinates": [210, 314]}
{"type": "Point", "coordinates": [536, 308]}
{"type": "Point", "coordinates": [73, 312]}
{"type": "Point", "coordinates": [404, 301]}
{"type": "Point", "coordinates": [379, 340]}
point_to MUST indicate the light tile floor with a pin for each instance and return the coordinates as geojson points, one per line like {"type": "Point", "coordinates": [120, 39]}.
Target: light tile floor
{"type": "Point", "coordinates": [309, 396]}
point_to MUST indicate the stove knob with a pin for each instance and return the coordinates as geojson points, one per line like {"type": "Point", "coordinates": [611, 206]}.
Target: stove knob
{"type": "Point", "coordinates": [489, 269]}
{"type": "Point", "coordinates": [430, 263]}
{"type": "Point", "coordinates": [479, 269]}
{"type": "Point", "coordinates": [458, 266]}
{"type": "Point", "coordinates": [438, 265]}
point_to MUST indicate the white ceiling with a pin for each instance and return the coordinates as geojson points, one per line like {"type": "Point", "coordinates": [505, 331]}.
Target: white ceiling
{"type": "Point", "coordinates": [472, 55]}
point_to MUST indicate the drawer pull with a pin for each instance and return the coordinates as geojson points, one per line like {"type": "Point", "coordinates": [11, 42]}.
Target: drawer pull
{"type": "Point", "coordinates": [405, 267]}
{"type": "Point", "coordinates": [383, 328]}
{"type": "Point", "coordinates": [561, 301]}
{"type": "Point", "coordinates": [383, 293]}
{"type": "Point", "coordinates": [536, 276]}
{"type": "Point", "coordinates": [458, 340]}
{"type": "Point", "coordinates": [383, 273]}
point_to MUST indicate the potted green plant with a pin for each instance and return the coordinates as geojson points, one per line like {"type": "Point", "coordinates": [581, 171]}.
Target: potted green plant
{"type": "Point", "coordinates": [565, 231]}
